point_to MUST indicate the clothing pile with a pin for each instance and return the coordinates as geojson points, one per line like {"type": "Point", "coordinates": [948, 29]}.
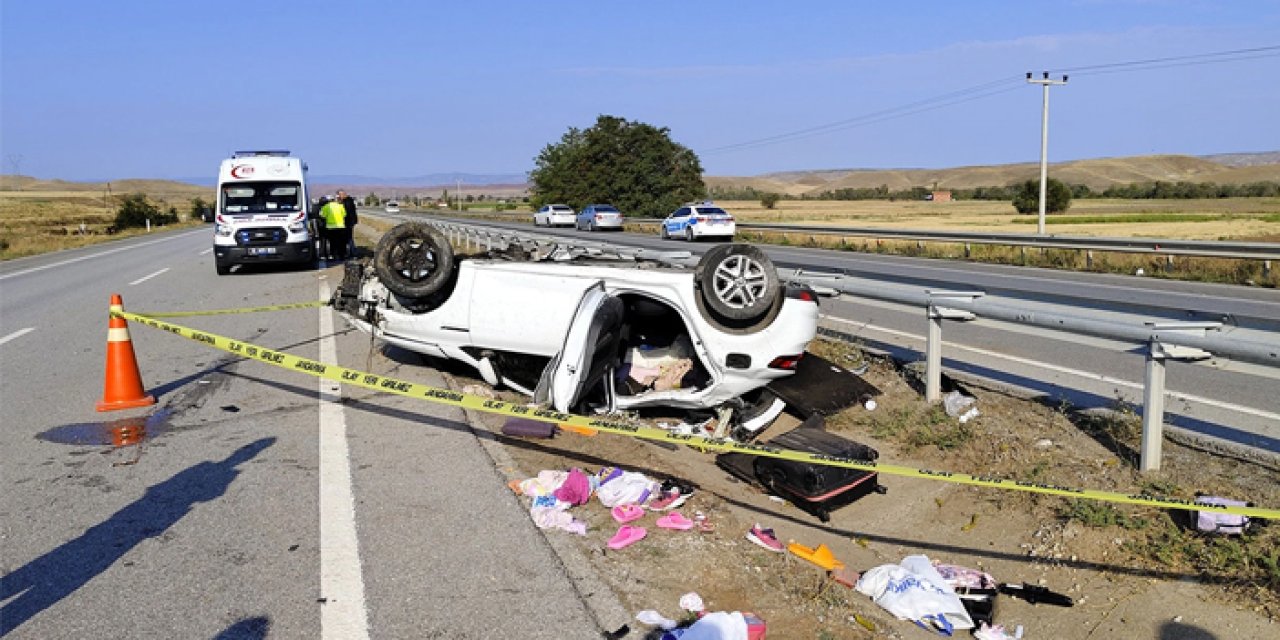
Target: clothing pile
{"type": "Point", "coordinates": [645, 367]}
{"type": "Point", "coordinates": [629, 496]}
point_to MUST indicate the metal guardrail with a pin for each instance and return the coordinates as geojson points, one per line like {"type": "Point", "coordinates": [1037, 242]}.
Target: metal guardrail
{"type": "Point", "coordinates": [1196, 248]}
{"type": "Point", "coordinates": [1265, 251]}
{"type": "Point", "coordinates": [1187, 341]}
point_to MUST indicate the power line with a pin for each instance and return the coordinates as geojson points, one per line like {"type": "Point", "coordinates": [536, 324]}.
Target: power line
{"type": "Point", "coordinates": [855, 121]}
{"type": "Point", "coordinates": [1203, 57]}
{"type": "Point", "coordinates": [987, 89]}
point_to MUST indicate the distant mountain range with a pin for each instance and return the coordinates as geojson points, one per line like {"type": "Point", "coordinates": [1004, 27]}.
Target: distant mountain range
{"type": "Point", "coordinates": [1098, 173]}
{"type": "Point", "coordinates": [412, 182]}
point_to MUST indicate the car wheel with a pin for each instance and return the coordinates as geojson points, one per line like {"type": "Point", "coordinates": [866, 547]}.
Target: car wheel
{"type": "Point", "coordinates": [688, 234]}
{"type": "Point", "coordinates": [662, 233]}
{"type": "Point", "coordinates": [737, 281]}
{"type": "Point", "coordinates": [592, 227]}
{"type": "Point", "coordinates": [413, 260]}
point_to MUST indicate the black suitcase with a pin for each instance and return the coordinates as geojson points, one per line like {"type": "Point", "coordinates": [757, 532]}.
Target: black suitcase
{"type": "Point", "coordinates": [815, 488]}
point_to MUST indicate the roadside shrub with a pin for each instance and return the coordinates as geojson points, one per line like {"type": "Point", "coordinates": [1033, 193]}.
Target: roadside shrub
{"type": "Point", "coordinates": [1027, 198]}
{"type": "Point", "coordinates": [769, 200]}
{"type": "Point", "coordinates": [135, 211]}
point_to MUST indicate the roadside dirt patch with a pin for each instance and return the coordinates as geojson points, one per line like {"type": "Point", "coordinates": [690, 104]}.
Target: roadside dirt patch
{"type": "Point", "coordinates": [1133, 572]}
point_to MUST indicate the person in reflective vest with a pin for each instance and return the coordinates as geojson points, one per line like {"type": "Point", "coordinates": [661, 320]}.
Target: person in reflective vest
{"type": "Point", "coordinates": [335, 229]}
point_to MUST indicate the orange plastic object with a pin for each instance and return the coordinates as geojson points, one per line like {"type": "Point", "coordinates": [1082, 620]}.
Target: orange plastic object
{"type": "Point", "coordinates": [820, 556]}
{"type": "Point", "coordinates": [123, 386]}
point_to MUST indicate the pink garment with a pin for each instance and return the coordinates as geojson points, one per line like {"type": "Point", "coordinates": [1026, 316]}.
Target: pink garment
{"type": "Point", "coordinates": [553, 518]}
{"type": "Point", "coordinates": [576, 489]}
{"type": "Point", "coordinates": [544, 484]}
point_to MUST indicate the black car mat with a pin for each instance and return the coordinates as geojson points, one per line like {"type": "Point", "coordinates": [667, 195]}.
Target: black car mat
{"type": "Point", "coordinates": [822, 387]}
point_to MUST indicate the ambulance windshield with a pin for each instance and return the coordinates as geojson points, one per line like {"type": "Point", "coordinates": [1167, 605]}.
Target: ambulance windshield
{"type": "Point", "coordinates": [261, 197]}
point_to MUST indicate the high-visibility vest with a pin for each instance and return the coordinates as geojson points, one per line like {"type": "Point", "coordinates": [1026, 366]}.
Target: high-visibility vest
{"type": "Point", "coordinates": [335, 215]}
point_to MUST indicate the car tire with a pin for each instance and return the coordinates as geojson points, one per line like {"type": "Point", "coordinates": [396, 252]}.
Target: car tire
{"type": "Point", "coordinates": [662, 232]}
{"type": "Point", "coordinates": [688, 235]}
{"type": "Point", "coordinates": [413, 260]}
{"type": "Point", "coordinates": [737, 282]}
{"type": "Point", "coordinates": [591, 226]}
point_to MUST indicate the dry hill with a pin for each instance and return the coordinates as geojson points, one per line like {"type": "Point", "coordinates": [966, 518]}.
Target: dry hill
{"type": "Point", "coordinates": [1097, 173]}
{"type": "Point", "coordinates": [170, 190]}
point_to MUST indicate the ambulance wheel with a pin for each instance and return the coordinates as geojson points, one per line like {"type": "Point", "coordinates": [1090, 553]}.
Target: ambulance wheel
{"type": "Point", "coordinates": [413, 260]}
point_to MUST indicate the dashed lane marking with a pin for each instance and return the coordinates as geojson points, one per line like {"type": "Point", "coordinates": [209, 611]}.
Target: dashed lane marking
{"type": "Point", "coordinates": [148, 277]}
{"type": "Point", "coordinates": [17, 334]}
{"type": "Point", "coordinates": [97, 255]}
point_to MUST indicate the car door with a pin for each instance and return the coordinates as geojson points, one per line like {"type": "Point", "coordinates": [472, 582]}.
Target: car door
{"type": "Point", "coordinates": [676, 223]}
{"type": "Point", "coordinates": [589, 352]}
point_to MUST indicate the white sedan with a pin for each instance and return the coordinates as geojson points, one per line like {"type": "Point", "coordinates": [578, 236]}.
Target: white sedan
{"type": "Point", "coordinates": [555, 215]}
{"type": "Point", "coordinates": [583, 333]}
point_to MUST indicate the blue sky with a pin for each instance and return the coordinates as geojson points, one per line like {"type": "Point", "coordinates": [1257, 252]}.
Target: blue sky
{"type": "Point", "coordinates": [107, 90]}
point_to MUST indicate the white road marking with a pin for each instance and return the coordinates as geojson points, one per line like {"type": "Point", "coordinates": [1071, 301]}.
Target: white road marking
{"type": "Point", "coordinates": [96, 255]}
{"type": "Point", "coordinates": [148, 277]}
{"type": "Point", "coordinates": [343, 616]}
{"type": "Point", "coordinates": [206, 251]}
{"type": "Point", "coordinates": [17, 334]}
{"type": "Point", "coordinates": [1067, 371]}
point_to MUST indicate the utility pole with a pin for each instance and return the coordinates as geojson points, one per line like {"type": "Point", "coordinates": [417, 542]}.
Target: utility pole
{"type": "Point", "coordinates": [1044, 82]}
{"type": "Point", "coordinates": [457, 193]}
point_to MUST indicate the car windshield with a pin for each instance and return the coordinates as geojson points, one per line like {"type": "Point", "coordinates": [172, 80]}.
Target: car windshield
{"type": "Point", "coordinates": [561, 208]}
{"type": "Point", "coordinates": [606, 209]}
{"type": "Point", "coordinates": [261, 197]}
{"type": "Point", "coordinates": [712, 211]}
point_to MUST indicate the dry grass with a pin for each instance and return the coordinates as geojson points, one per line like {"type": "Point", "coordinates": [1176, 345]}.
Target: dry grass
{"type": "Point", "coordinates": [1232, 218]}
{"type": "Point", "coordinates": [40, 219]}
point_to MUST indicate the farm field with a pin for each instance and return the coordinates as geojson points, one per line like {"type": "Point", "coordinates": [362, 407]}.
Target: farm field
{"type": "Point", "coordinates": [1215, 219]}
{"type": "Point", "coordinates": [42, 216]}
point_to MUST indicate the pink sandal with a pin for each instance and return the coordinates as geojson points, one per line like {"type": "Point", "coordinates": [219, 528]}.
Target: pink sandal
{"type": "Point", "coordinates": [626, 536]}
{"type": "Point", "coordinates": [625, 513]}
{"type": "Point", "coordinates": [675, 521]}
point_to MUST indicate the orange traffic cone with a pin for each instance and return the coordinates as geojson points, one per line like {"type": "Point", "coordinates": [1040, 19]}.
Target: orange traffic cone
{"type": "Point", "coordinates": [123, 389]}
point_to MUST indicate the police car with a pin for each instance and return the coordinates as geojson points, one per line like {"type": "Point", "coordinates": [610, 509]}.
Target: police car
{"type": "Point", "coordinates": [694, 221]}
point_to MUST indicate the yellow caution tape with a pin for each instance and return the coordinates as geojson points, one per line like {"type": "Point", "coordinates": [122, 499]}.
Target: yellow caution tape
{"type": "Point", "coordinates": [227, 312]}
{"type": "Point", "coordinates": [605, 425]}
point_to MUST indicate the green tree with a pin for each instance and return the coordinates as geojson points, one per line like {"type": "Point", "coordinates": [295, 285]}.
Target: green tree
{"type": "Point", "coordinates": [632, 165]}
{"type": "Point", "coordinates": [1057, 197]}
{"type": "Point", "coordinates": [768, 200]}
{"type": "Point", "coordinates": [135, 211]}
{"type": "Point", "coordinates": [372, 200]}
{"type": "Point", "coordinates": [198, 208]}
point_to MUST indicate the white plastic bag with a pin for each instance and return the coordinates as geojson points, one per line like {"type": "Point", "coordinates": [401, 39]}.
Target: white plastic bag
{"type": "Point", "coordinates": [914, 591]}
{"type": "Point", "coordinates": [959, 406]}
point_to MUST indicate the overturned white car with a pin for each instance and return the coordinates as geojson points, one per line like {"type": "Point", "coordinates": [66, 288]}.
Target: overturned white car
{"type": "Point", "coordinates": [584, 333]}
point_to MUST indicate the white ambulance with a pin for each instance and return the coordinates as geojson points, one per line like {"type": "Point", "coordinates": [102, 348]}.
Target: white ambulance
{"type": "Point", "coordinates": [262, 211]}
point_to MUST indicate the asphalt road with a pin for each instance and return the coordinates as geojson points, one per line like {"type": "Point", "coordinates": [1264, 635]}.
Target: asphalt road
{"type": "Point", "coordinates": [263, 502]}
{"type": "Point", "coordinates": [1231, 401]}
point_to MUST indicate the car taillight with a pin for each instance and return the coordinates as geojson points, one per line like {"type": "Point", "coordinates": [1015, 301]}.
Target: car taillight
{"type": "Point", "coordinates": [786, 363]}
{"type": "Point", "coordinates": [699, 219]}
{"type": "Point", "coordinates": [804, 294]}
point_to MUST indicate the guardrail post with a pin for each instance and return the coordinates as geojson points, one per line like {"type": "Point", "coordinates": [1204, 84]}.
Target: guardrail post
{"type": "Point", "coordinates": [1266, 268]}
{"type": "Point", "coordinates": [933, 344]}
{"type": "Point", "coordinates": [1152, 410]}
{"type": "Point", "coordinates": [1088, 259]}
{"type": "Point", "coordinates": [1158, 352]}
